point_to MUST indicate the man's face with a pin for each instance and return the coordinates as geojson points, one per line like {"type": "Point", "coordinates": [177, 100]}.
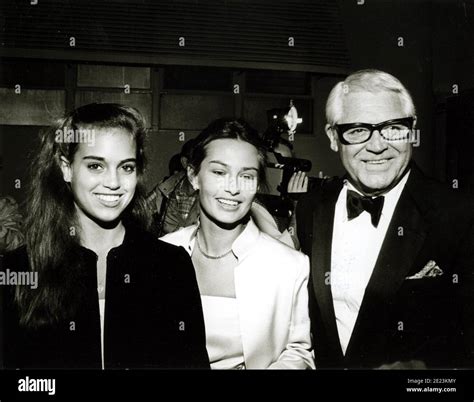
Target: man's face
{"type": "Point", "coordinates": [377, 165]}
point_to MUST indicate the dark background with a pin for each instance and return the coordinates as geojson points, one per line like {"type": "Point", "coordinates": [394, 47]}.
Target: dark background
{"type": "Point", "coordinates": [427, 44]}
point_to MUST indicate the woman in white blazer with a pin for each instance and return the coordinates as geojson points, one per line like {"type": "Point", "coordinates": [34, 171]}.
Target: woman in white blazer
{"type": "Point", "coordinates": [253, 287]}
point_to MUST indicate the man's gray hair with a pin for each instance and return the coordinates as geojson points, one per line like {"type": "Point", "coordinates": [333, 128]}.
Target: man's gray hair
{"type": "Point", "coordinates": [369, 80]}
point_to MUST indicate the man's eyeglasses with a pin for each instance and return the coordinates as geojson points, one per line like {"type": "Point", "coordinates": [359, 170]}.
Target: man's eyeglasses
{"type": "Point", "coordinates": [390, 130]}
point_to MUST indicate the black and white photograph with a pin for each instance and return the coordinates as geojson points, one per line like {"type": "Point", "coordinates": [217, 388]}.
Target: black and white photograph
{"type": "Point", "coordinates": [237, 200]}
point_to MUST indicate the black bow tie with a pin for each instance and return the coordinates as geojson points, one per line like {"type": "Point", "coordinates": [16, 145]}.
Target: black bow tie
{"type": "Point", "coordinates": [357, 203]}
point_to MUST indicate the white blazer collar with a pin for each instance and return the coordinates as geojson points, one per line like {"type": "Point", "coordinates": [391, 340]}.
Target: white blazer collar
{"type": "Point", "coordinates": [241, 246]}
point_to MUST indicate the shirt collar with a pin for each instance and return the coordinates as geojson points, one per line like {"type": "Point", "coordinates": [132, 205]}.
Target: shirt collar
{"type": "Point", "coordinates": [132, 233]}
{"type": "Point", "coordinates": [167, 186]}
{"type": "Point", "coordinates": [241, 246]}
{"type": "Point", "coordinates": [391, 193]}
{"type": "Point", "coordinates": [391, 197]}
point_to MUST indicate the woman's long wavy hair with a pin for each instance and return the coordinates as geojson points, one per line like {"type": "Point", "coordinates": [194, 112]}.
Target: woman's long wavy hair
{"type": "Point", "coordinates": [51, 226]}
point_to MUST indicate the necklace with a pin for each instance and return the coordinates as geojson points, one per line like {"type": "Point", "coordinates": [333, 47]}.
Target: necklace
{"type": "Point", "coordinates": [211, 257]}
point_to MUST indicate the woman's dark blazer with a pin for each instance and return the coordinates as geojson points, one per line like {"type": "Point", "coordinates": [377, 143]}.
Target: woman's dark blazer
{"type": "Point", "coordinates": [153, 313]}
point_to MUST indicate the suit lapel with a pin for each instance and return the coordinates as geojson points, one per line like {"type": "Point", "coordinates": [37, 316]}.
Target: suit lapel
{"type": "Point", "coordinates": [323, 220]}
{"type": "Point", "coordinates": [403, 240]}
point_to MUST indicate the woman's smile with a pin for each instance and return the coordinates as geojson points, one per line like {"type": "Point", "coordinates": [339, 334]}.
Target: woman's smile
{"type": "Point", "coordinates": [227, 179]}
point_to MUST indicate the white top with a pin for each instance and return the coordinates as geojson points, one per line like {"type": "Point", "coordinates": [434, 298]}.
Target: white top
{"type": "Point", "coordinates": [102, 315]}
{"type": "Point", "coordinates": [223, 339]}
{"type": "Point", "coordinates": [355, 248]}
{"type": "Point", "coordinates": [271, 281]}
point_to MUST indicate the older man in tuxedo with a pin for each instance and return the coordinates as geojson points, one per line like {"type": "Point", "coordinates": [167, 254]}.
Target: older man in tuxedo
{"type": "Point", "coordinates": [392, 252]}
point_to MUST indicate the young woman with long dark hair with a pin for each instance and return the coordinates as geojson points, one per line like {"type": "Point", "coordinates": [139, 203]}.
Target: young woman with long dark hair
{"type": "Point", "coordinates": [253, 287]}
{"type": "Point", "coordinates": [108, 294]}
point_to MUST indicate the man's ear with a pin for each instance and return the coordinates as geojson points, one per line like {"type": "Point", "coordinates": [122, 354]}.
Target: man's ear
{"type": "Point", "coordinates": [66, 169]}
{"type": "Point", "coordinates": [414, 137]}
{"type": "Point", "coordinates": [192, 177]}
{"type": "Point", "coordinates": [332, 135]}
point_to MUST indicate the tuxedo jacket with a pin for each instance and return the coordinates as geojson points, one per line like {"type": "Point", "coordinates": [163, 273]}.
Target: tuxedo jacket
{"type": "Point", "coordinates": [427, 318]}
{"type": "Point", "coordinates": [153, 313]}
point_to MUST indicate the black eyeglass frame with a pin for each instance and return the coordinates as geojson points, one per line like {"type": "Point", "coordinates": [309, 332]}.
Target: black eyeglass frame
{"type": "Point", "coordinates": [342, 128]}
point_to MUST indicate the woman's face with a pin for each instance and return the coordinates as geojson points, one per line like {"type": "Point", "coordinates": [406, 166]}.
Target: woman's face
{"type": "Point", "coordinates": [227, 179]}
{"type": "Point", "coordinates": [103, 176]}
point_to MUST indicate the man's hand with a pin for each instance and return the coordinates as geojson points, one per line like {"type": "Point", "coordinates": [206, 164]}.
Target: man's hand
{"type": "Point", "coordinates": [407, 365]}
{"type": "Point", "coordinates": [298, 183]}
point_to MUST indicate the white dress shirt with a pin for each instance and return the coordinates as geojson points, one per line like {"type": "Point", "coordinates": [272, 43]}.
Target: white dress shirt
{"type": "Point", "coordinates": [355, 248]}
{"type": "Point", "coordinates": [102, 318]}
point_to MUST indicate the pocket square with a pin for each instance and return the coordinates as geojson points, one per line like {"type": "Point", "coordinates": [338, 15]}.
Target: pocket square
{"type": "Point", "coordinates": [430, 270]}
